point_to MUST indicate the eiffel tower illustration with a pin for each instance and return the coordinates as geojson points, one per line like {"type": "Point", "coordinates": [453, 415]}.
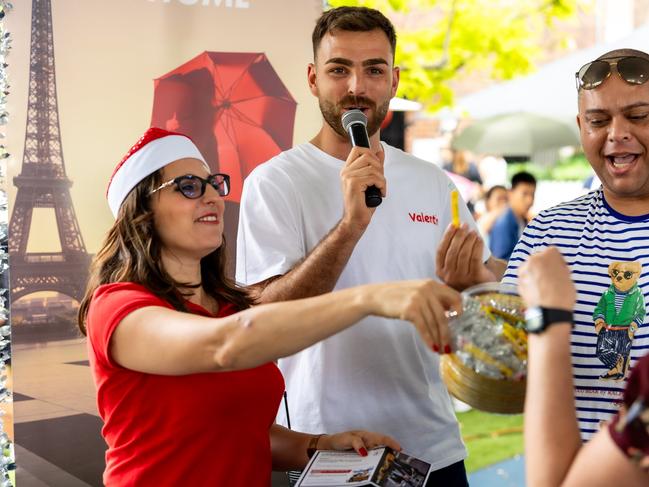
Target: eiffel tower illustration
{"type": "Point", "coordinates": [43, 183]}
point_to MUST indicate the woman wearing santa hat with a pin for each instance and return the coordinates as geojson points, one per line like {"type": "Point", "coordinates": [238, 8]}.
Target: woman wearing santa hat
{"type": "Point", "coordinates": [186, 384]}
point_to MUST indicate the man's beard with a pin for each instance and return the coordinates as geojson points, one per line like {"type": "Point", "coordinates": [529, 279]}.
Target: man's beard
{"type": "Point", "coordinates": [332, 113]}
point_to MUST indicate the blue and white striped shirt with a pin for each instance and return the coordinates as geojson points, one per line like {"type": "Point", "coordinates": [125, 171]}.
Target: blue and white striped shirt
{"type": "Point", "coordinates": [592, 236]}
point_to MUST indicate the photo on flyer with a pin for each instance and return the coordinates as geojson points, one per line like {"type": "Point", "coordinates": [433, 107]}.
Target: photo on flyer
{"type": "Point", "coordinates": [382, 467]}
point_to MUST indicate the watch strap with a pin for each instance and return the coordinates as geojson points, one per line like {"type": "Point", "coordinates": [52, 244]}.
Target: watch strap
{"type": "Point", "coordinates": [556, 315]}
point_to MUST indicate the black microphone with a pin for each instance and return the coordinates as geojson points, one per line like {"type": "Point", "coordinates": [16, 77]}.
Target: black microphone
{"type": "Point", "coordinates": [355, 124]}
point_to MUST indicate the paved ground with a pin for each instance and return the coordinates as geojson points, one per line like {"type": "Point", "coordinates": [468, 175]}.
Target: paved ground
{"type": "Point", "coordinates": [57, 430]}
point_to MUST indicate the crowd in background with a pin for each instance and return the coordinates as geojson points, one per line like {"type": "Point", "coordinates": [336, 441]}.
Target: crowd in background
{"type": "Point", "coordinates": [502, 207]}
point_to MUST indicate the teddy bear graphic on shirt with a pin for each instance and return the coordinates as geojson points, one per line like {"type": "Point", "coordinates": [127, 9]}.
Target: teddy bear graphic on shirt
{"type": "Point", "coordinates": [617, 316]}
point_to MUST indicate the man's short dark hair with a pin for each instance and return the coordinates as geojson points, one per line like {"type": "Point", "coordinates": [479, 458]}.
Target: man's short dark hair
{"type": "Point", "coordinates": [523, 177]}
{"type": "Point", "coordinates": [352, 19]}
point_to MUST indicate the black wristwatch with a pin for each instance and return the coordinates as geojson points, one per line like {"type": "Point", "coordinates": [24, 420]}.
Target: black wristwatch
{"type": "Point", "coordinates": [538, 318]}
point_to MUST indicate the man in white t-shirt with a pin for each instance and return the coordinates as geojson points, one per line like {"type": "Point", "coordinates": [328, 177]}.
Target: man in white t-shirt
{"type": "Point", "coordinates": [305, 229]}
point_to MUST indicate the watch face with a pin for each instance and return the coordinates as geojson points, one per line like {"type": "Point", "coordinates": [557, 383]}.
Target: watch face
{"type": "Point", "coordinates": [534, 319]}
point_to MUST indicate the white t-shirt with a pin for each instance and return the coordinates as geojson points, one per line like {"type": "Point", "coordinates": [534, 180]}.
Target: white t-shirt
{"type": "Point", "coordinates": [591, 237]}
{"type": "Point", "coordinates": [377, 375]}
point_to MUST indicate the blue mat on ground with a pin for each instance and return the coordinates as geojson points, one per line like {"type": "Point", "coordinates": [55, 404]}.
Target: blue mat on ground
{"type": "Point", "coordinates": [510, 473]}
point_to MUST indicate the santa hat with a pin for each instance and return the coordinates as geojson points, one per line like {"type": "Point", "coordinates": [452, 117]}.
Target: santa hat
{"type": "Point", "coordinates": [155, 149]}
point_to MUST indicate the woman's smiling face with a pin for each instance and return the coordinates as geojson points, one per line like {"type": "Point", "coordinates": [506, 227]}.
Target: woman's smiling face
{"type": "Point", "coordinates": [187, 227]}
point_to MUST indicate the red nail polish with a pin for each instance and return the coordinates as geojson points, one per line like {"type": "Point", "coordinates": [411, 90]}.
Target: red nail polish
{"type": "Point", "coordinates": [363, 452]}
{"type": "Point", "coordinates": [435, 348]}
{"type": "Point", "coordinates": [447, 349]}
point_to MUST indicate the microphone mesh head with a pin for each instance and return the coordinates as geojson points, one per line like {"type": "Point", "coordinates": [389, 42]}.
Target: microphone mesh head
{"type": "Point", "coordinates": [353, 116]}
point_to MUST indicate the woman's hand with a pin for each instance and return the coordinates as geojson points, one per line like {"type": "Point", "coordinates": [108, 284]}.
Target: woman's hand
{"type": "Point", "coordinates": [544, 280]}
{"type": "Point", "coordinates": [359, 440]}
{"type": "Point", "coordinates": [424, 303]}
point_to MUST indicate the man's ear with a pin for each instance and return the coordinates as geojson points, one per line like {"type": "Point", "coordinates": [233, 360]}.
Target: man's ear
{"type": "Point", "coordinates": [312, 79]}
{"type": "Point", "coordinates": [395, 80]}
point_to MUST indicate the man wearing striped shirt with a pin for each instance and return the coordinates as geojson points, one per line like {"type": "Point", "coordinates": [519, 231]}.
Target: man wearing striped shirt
{"type": "Point", "coordinates": [604, 235]}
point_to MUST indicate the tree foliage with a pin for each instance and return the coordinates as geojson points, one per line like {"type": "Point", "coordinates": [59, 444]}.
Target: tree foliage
{"type": "Point", "coordinates": [498, 39]}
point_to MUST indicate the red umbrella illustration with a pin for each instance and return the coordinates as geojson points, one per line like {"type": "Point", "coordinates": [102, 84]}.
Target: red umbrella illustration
{"type": "Point", "coordinates": [233, 105]}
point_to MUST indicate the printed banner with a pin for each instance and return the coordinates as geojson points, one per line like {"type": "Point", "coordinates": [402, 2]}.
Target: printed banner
{"type": "Point", "coordinates": [87, 78]}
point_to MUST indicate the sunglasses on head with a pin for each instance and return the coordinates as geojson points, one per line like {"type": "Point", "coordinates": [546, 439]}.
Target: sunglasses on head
{"type": "Point", "coordinates": [632, 69]}
{"type": "Point", "coordinates": [193, 187]}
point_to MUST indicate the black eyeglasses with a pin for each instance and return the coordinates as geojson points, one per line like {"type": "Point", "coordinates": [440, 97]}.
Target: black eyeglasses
{"type": "Point", "coordinates": [632, 69]}
{"type": "Point", "coordinates": [627, 274]}
{"type": "Point", "coordinates": [193, 187]}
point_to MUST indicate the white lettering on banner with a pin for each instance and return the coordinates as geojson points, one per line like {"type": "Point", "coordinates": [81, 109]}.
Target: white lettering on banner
{"type": "Point", "coordinates": [208, 3]}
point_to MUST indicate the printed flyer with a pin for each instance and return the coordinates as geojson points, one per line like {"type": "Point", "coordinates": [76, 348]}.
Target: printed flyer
{"type": "Point", "coordinates": [382, 467]}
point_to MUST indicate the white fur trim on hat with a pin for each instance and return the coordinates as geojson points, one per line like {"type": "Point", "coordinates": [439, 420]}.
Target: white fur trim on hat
{"type": "Point", "coordinates": [147, 160]}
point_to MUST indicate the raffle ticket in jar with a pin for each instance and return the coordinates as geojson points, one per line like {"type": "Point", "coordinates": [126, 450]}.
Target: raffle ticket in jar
{"type": "Point", "coordinates": [489, 336]}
